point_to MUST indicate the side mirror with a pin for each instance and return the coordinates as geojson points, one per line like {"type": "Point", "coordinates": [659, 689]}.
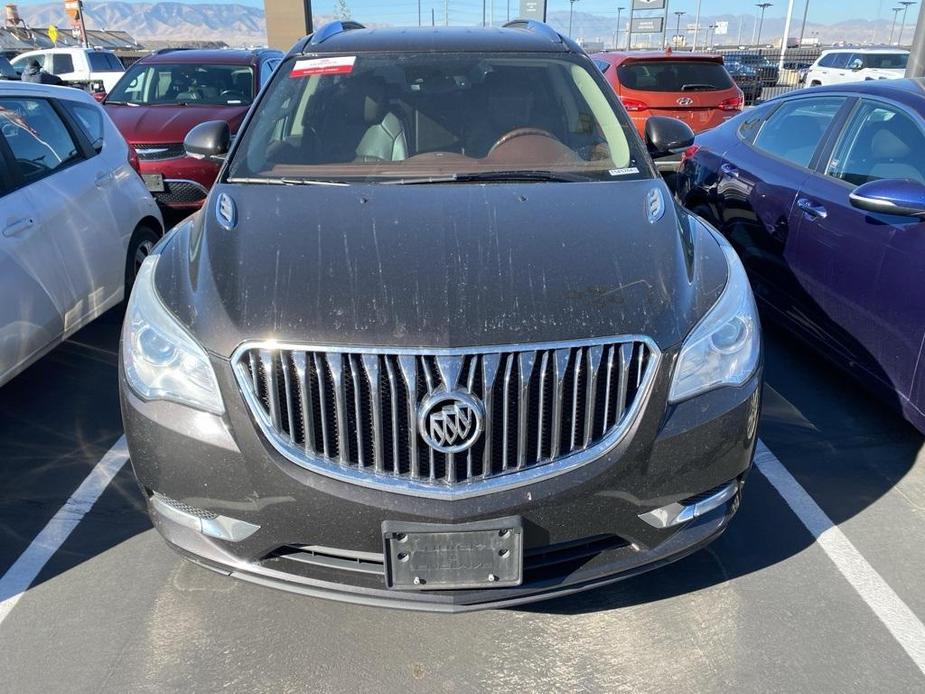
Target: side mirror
{"type": "Point", "coordinates": [209, 139]}
{"type": "Point", "coordinates": [666, 136]}
{"type": "Point", "coordinates": [899, 196]}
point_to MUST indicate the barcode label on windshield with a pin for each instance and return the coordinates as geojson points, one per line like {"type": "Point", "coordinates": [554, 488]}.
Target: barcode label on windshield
{"type": "Point", "coordinates": [323, 66]}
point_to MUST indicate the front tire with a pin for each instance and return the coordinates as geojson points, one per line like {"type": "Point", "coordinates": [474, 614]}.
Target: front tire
{"type": "Point", "coordinates": [139, 247]}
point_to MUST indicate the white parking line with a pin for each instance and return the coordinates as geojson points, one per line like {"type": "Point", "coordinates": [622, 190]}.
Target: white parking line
{"type": "Point", "coordinates": [21, 574]}
{"type": "Point", "coordinates": [901, 622]}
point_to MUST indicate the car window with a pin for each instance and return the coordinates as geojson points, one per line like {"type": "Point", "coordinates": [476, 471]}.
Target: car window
{"type": "Point", "coordinates": [795, 129]}
{"type": "Point", "coordinates": [38, 138]}
{"type": "Point", "coordinates": [61, 63]}
{"type": "Point", "coordinates": [602, 65]}
{"type": "Point", "coordinates": [674, 76]}
{"type": "Point", "coordinates": [6, 69]}
{"type": "Point", "coordinates": [752, 123]}
{"type": "Point", "coordinates": [186, 83]}
{"type": "Point", "coordinates": [266, 71]}
{"type": "Point", "coordinates": [103, 62]}
{"type": "Point", "coordinates": [90, 120]}
{"type": "Point", "coordinates": [20, 63]}
{"type": "Point", "coordinates": [840, 60]}
{"type": "Point", "coordinates": [885, 61]}
{"type": "Point", "coordinates": [418, 114]}
{"type": "Point", "coordinates": [878, 142]}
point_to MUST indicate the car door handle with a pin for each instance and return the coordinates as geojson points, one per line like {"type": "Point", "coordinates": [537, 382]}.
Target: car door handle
{"type": "Point", "coordinates": [811, 209]}
{"type": "Point", "coordinates": [17, 227]}
{"type": "Point", "coordinates": [729, 170]}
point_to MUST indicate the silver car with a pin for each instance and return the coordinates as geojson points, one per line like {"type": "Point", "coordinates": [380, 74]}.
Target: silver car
{"type": "Point", "coordinates": [75, 218]}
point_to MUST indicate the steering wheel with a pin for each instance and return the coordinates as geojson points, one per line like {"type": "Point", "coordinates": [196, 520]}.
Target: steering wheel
{"type": "Point", "coordinates": [230, 94]}
{"type": "Point", "coordinates": [521, 132]}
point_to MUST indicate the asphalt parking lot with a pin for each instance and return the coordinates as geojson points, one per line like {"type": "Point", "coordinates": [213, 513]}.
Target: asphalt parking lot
{"type": "Point", "coordinates": [765, 608]}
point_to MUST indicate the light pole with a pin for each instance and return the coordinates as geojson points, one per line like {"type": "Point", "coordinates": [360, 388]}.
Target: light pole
{"type": "Point", "coordinates": [763, 6]}
{"type": "Point", "coordinates": [677, 29]}
{"type": "Point", "coordinates": [571, 9]}
{"type": "Point", "coordinates": [696, 26]}
{"type": "Point", "coordinates": [616, 40]}
{"type": "Point", "coordinates": [902, 27]}
{"type": "Point", "coordinates": [665, 27]}
{"type": "Point", "coordinates": [803, 27]}
{"type": "Point", "coordinates": [896, 11]}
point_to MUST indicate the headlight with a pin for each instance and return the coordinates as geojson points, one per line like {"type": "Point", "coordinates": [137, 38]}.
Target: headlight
{"type": "Point", "coordinates": [162, 361]}
{"type": "Point", "coordinates": [724, 346]}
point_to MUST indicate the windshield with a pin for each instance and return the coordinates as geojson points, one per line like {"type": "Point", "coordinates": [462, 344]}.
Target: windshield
{"type": "Point", "coordinates": [424, 115]}
{"type": "Point", "coordinates": [185, 83]}
{"type": "Point", "coordinates": [674, 76]}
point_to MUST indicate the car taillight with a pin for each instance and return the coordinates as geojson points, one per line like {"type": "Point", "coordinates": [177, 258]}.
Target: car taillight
{"type": "Point", "coordinates": [133, 160]}
{"type": "Point", "coordinates": [735, 103]}
{"type": "Point", "coordinates": [689, 152]}
{"type": "Point", "coordinates": [634, 105]}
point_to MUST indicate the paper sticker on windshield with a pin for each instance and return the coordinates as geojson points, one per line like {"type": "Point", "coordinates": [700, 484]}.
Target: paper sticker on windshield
{"type": "Point", "coordinates": [624, 172]}
{"type": "Point", "coordinates": [323, 66]}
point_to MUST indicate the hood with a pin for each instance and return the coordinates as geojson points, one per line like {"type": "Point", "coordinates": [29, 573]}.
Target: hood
{"type": "Point", "coordinates": [452, 265]}
{"type": "Point", "coordinates": [147, 125]}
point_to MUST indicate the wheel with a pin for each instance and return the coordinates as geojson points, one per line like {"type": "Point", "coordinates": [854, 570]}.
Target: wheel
{"type": "Point", "coordinates": [139, 248]}
{"type": "Point", "coordinates": [815, 83]}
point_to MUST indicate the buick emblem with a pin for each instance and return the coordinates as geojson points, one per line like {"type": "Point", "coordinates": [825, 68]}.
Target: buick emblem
{"type": "Point", "coordinates": [685, 101]}
{"type": "Point", "coordinates": [450, 422]}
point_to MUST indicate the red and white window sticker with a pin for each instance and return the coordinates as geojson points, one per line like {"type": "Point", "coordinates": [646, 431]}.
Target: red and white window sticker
{"type": "Point", "coordinates": [323, 66]}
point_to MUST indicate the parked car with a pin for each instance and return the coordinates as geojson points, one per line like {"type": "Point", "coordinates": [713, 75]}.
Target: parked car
{"type": "Point", "coordinates": [163, 96]}
{"type": "Point", "coordinates": [75, 219]}
{"type": "Point", "coordinates": [93, 68]}
{"type": "Point", "coordinates": [767, 70]}
{"type": "Point", "coordinates": [694, 88]}
{"type": "Point", "coordinates": [746, 77]}
{"type": "Point", "coordinates": [822, 192]}
{"type": "Point", "coordinates": [857, 65]}
{"type": "Point", "coordinates": [438, 338]}
{"type": "Point", "coordinates": [7, 71]}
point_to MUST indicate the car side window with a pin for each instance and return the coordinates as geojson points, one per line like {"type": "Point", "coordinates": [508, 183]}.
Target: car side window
{"type": "Point", "coordinates": [840, 59]}
{"type": "Point", "coordinates": [752, 123]}
{"type": "Point", "coordinates": [794, 131]}
{"type": "Point", "coordinates": [61, 64]}
{"type": "Point", "coordinates": [266, 72]}
{"type": "Point", "coordinates": [90, 120]}
{"type": "Point", "coordinates": [38, 138]}
{"type": "Point", "coordinates": [602, 65]}
{"type": "Point", "coordinates": [879, 141]}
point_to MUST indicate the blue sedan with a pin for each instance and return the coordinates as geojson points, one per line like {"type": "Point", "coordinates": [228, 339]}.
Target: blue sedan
{"type": "Point", "coordinates": [822, 193]}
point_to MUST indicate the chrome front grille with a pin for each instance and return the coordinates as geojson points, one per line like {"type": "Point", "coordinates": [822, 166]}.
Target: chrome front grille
{"type": "Point", "coordinates": [356, 414]}
{"type": "Point", "coordinates": [160, 152]}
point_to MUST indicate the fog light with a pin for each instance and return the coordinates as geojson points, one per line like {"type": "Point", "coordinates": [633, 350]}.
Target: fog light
{"type": "Point", "coordinates": [202, 521]}
{"type": "Point", "coordinates": [677, 513]}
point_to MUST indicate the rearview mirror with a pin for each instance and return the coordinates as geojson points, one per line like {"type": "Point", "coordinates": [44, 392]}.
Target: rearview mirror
{"type": "Point", "coordinates": [666, 136]}
{"type": "Point", "coordinates": [899, 196]}
{"type": "Point", "coordinates": [209, 139]}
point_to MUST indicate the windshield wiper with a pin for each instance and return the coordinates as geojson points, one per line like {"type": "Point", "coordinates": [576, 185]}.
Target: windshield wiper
{"type": "Point", "coordinates": [483, 176]}
{"type": "Point", "coordinates": [122, 103]}
{"type": "Point", "coordinates": [285, 181]}
{"type": "Point", "coordinates": [697, 87]}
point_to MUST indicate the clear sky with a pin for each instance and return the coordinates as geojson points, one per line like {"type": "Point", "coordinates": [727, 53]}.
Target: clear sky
{"type": "Point", "coordinates": [470, 11]}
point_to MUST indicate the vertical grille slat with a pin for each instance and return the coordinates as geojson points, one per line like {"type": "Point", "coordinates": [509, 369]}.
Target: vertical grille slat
{"type": "Point", "coordinates": [515, 409]}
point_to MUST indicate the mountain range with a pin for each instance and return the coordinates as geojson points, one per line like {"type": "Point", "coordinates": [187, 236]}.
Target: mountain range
{"type": "Point", "coordinates": [239, 24]}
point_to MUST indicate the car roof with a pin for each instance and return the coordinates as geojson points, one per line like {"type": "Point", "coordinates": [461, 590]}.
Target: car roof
{"type": "Point", "coordinates": [617, 57]}
{"type": "Point", "coordinates": [901, 51]}
{"type": "Point", "coordinates": [215, 56]}
{"type": "Point", "coordinates": [910, 92]}
{"type": "Point", "coordinates": [540, 38]}
{"type": "Point", "coordinates": [14, 88]}
{"type": "Point", "coordinates": [64, 49]}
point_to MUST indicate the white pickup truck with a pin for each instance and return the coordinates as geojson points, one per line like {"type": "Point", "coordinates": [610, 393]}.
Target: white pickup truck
{"type": "Point", "coordinates": [90, 67]}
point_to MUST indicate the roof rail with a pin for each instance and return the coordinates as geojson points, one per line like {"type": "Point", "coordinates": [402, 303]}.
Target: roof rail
{"type": "Point", "coordinates": [332, 29]}
{"type": "Point", "coordinates": [162, 51]}
{"type": "Point", "coordinates": [535, 26]}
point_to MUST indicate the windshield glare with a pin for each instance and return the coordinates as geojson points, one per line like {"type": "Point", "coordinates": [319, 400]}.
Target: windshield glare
{"type": "Point", "coordinates": [419, 115]}
{"type": "Point", "coordinates": [163, 83]}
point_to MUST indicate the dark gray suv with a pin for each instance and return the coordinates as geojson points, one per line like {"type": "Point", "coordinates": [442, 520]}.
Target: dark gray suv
{"type": "Point", "coordinates": [440, 338]}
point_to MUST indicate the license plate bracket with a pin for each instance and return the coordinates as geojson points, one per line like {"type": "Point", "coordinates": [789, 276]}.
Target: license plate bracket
{"type": "Point", "coordinates": [425, 556]}
{"type": "Point", "coordinates": [154, 182]}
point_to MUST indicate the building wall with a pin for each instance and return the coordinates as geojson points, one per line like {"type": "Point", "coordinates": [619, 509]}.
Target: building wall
{"type": "Point", "coordinates": [287, 22]}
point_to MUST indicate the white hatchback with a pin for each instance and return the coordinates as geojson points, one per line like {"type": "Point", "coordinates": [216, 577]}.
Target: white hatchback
{"type": "Point", "coordinates": [75, 218]}
{"type": "Point", "coordinates": [857, 65]}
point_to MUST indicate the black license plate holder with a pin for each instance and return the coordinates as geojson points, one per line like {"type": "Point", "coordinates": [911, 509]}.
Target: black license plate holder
{"type": "Point", "coordinates": [425, 556]}
{"type": "Point", "coordinates": [154, 182]}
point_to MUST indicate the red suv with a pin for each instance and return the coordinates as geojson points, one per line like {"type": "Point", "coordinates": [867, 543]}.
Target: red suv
{"type": "Point", "coordinates": [163, 96]}
{"type": "Point", "coordinates": [694, 88]}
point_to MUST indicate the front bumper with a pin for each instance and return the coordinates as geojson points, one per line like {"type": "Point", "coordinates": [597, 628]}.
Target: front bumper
{"type": "Point", "coordinates": [323, 537]}
{"type": "Point", "coordinates": [187, 181]}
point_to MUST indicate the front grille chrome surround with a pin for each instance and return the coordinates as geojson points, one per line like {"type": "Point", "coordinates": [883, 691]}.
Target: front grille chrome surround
{"type": "Point", "coordinates": [543, 415]}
